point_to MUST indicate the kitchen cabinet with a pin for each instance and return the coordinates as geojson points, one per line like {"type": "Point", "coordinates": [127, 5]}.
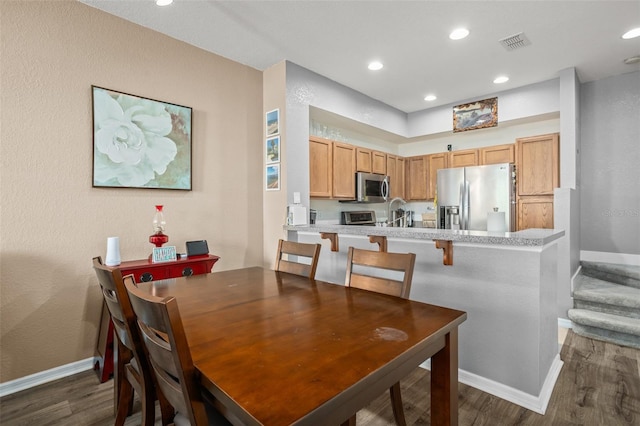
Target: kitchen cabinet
{"type": "Point", "coordinates": [535, 212]}
{"type": "Point", "coordinates": [379, 162]}
{"type": "Point", "coordinates": [498, 154]}
{"type": "Point", "coordinates": [436, 162]}
{"type": "Point", "coordinates": [537, 175]}
{"type": "Point", "coordinates": [538, 164]}
{"type": "Point", "coordinates": [395, 171]}
{"type": "Point", "coordinates": [464, 158]}
{"type": "Point", "coordinates": [416, 185]}
{"type": "Point", "coordinates": [370, 161]}
{"type": "Point", "coordinates": [363, 160]}
{"type": "Point", "coordinates": [344, 171]}
{"type": "Point", "coordinates": [320, 167]}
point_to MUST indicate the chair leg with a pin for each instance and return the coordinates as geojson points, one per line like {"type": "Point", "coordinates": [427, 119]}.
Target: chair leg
{"type": "Point", "coordinates": [396, 404]}
{"type": "Point", "coordinates": [350, 422]}
{"type": "Point", "coordinates": [124, 402]}
{"type": "Point", "coordinates": [148, 402]}
{"type": "Point", "coordinates": [120, 382]}
{"type": "Point", "coordinates": [166, 409]}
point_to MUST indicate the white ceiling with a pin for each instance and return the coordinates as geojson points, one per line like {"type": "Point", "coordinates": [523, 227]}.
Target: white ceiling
{"type": "Point", "coordinates": [337, 39]}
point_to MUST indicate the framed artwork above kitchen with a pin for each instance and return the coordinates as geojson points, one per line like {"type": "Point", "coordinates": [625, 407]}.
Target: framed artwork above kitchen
{"type": "Point", "coordinates": [475, 115]}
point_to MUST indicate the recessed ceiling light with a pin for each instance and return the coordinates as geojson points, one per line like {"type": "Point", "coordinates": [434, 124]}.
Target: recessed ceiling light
{"type": "Point", "coordinates": [164, 2]}
{"type": "Point", "coordinates": [501, 79]}
{"type": "Point", "coordinates": [430, 98]}
{"type": "Point", "coordinates": [458, 34]}
{"type": "Point", "coordinates": [631, 33]}
{"type": "Point", "coordinates": [375, 66]}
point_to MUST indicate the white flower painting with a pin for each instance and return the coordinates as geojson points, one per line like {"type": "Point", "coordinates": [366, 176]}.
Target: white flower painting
{"type": "Point", "coordinates": [139, 142]}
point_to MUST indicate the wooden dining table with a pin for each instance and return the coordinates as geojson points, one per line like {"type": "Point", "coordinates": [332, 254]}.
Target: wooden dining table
{"type": "Point", "coordinates": [280, 349]}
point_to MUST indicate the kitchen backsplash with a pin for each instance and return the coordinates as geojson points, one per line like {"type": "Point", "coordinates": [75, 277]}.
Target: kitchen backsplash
{"type": "Point", "coordinates": [328, 211]}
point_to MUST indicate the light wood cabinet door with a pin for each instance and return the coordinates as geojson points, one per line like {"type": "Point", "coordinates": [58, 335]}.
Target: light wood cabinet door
{"type": "Point", "coordinates": [535, 212]}
{"type": "Point", "coordinates": [320, 167]}
{"type": "Point", "coordinates": [464, 158]}
{"type": "Point", "coordinates": [498, 154]}
{"type": "Point", "coordinates": [436, 162]}
{"type": "Point", "coordinates": [378, 162]}
{"type": "Point", "coordinates": [401, 178]}
{"type": "Point", "coordinates": [395, 171]}
{"type": "Point", "coordinates": [537, 164]}
{"type": "Point", "coordinates": [417, 168]}
{"type": "Point", "coordinates": [344, 171]}
{"type": "Point", "coordinates": [363, 160]}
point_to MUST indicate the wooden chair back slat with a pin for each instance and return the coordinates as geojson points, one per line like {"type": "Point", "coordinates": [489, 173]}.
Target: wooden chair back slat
{"type": "Point", "coordinates": [163, 335]}
{"type": "Point", "coordinates": [398, 262]}
{"type": "Point", "coordinates": [305, 250]}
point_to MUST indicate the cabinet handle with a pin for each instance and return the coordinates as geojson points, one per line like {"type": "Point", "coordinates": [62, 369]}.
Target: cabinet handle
{"type": "Point", "coordinates": [187, 272]}
{"type": "Point", "coordinates": [146, 277]}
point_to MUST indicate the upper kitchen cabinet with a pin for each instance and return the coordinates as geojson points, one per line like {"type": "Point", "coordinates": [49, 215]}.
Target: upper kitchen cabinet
{"type": "Point", "coordinates": [464, 158]}
{"type": "Point", "coordinates": [436, 162]}
{"type": "Point", "coordinates": [417, 169]}
{"type": "Point", "coordinates": [320, 167]}
{"type": "Point", "coordinates": [498, 154]}
{"type": "Point", "coordinates": [395, 171]}
{"type": "Point", "coordinates": [370, 161]}
{"type": "Point", "coordinates": [344, 171]}
{"type": "Point", "coordinates": [363, 160]}
{"type": "Point", "coordinates": [379, 162]}
{"type": "Point", "coordinates": [538, 164]}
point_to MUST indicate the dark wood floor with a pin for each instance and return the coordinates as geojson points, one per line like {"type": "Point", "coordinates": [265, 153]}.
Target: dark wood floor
{"type": "Point", "coordinates": [599, 385]}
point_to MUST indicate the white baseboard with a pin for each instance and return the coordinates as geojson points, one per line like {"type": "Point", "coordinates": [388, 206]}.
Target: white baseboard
{"type": "Point", "coordinates": [565, 323]}
{"type": "Point", "coordinates": [537, 404]}
{"type": "Point", "coordinates": [12, 386]}
{"type": "Point", "coordinates": [606, 257]}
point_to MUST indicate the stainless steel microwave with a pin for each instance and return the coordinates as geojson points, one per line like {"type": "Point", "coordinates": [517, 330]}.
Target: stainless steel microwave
{"type": "Point", "coordinates": [372, 188]}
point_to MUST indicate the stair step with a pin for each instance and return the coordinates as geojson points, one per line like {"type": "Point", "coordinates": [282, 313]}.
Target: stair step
{"type": "Point", "coordinates": [604, 296]}
{"type": "Point", "coordinates": [617, 329]}
{"type": "Point", "coordinates": [627, 275]}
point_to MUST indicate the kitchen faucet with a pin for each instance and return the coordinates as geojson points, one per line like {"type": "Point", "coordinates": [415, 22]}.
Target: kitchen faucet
{"type": "Point", "coordinates": [389, 220]}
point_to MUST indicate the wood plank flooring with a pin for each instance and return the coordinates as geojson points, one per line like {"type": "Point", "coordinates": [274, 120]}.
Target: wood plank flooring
{"type": "Point", "coordinates": [599, 385]}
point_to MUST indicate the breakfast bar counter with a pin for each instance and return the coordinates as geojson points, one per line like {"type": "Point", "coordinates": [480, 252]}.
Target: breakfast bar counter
{"type": "Point", "coordinates": [506, 282]}
{"type": "Point", "coordinates": [528, 237]}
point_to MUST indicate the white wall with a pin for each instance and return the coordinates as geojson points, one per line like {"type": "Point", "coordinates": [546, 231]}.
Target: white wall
{"type": "Point", "coordinates": [610, 169]}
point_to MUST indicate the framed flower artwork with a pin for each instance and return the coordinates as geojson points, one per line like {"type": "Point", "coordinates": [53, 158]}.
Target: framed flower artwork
{"type": "Point", "coordinates": [140, 142]}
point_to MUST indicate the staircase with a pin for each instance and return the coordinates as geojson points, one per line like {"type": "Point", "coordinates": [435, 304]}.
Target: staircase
{"type": "Point", "coordinates": [606, 300]}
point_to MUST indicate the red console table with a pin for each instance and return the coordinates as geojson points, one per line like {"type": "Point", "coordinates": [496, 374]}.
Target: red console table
{"type": "Point", "coordinates": [144, 270]}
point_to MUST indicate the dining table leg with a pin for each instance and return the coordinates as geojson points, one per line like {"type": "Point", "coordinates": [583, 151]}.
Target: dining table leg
{"type": "Point", "coordinates": [444, 382]}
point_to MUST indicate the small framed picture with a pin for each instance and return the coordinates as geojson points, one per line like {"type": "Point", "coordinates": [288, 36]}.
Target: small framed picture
{"type": "Point", "coordinates": [475, 115]}
{"type": "Point", "coordinates": [273, 150]}
{"type": "Point", "coordinates": [273, 122]}
{"type": "Point", "coordinates": [273, 177]}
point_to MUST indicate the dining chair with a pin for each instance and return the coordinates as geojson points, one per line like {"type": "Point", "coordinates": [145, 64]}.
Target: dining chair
{"type": "Point", "coordinates": [308, 251]}
{"type": "Point", "coordinates": [132, 371]}
{"type": "Point", "coordinates": [379, 271]}
{"type": "Point", "coordinates": [164, 338]}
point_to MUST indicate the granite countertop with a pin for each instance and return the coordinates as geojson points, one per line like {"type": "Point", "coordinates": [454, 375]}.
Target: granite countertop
{"type": "Point", "coordinates": [527, 237]}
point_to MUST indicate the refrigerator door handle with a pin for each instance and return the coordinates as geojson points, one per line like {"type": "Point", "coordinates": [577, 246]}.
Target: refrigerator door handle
{"type": "Point", "coordinates": [465, 206]}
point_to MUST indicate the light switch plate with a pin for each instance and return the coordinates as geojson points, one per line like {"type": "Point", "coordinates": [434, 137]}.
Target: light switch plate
{"type": "Point", "coordinates": [296, 198]}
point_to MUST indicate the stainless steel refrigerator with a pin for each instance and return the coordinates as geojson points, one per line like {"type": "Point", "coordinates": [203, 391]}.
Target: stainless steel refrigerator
{"type": "Point", "coordinates": [469, 197]}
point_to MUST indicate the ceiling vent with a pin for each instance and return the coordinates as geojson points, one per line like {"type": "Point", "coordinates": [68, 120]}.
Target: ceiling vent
{"type": "Point", "coordinates": [515, 41]}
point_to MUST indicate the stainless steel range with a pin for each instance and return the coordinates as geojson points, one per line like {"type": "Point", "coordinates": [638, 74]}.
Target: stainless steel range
{"type": "Point", "coordinates": [363, 217]}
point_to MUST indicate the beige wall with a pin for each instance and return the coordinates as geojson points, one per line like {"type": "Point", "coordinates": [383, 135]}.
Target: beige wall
{"type": "Point", "coordinates": [274, 202]}
{"type": "Point", "coordinates": [53, 222]}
